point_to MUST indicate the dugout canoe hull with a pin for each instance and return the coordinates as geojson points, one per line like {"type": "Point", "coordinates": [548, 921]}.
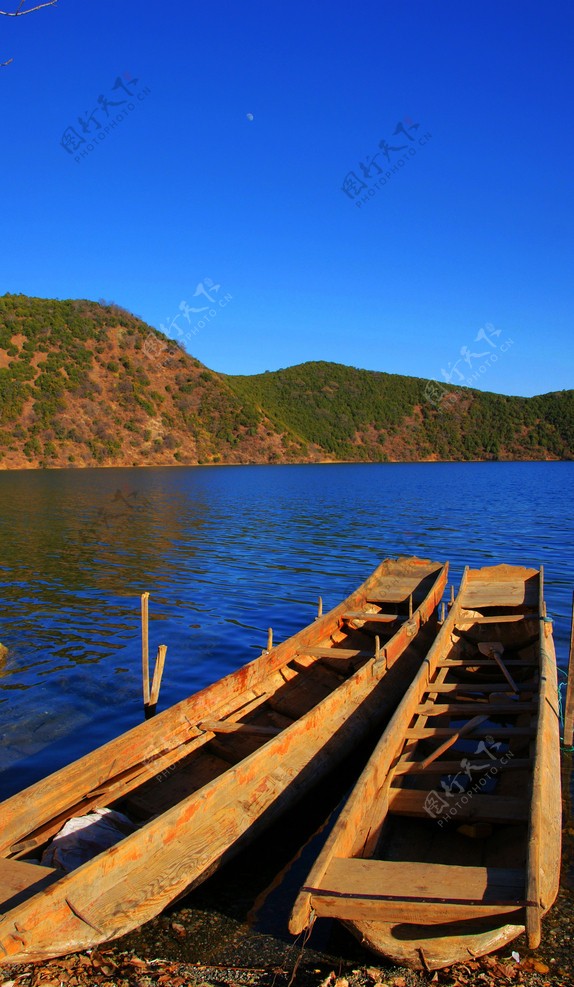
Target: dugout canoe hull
{"type": "Point", "coordinates": [206, 776]}
{"type": "Point", "coordinates": [449, 846]}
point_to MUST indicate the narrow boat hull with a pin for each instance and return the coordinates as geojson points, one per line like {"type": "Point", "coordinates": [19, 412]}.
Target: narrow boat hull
{"type": "Point", "coordinates": [449, 846]}
{"type": "Point", "coordinates": [214, 771]}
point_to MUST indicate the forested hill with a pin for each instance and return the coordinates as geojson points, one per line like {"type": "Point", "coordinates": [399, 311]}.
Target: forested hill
{"type": "Point", "coordinates": [368, 415]}
{"type": "Point", "coordinates": [86, 383]}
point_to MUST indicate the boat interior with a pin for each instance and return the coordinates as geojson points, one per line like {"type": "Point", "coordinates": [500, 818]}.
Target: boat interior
{"type": "Point", "coordinates": [455, 791]}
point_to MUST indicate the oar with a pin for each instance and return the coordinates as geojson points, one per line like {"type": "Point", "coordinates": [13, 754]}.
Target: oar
{"type": "Point", "coordinates": [467, 728]}
{"type": "Point", "coordinates": [494, 649]}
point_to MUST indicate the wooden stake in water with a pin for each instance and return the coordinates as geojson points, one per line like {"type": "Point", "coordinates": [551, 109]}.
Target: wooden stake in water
{"type": "Point", "coordinates": [569, 710]}
{"type": "Point", "coordinates": [157, 674]}
{"type": "Point", "coordinates": [150, 707]}
{"type": "Point", "coordinates": [145, 647]}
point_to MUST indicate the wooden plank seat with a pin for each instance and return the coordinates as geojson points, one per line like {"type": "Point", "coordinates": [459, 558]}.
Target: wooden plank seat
{"type": "Point", "coordinates": [484, 662]}
{"type": "Point", "coordinates": [343, 662]}
{"type": "Point", "coordinates": [382, 618]}
{"type": "Point", "coordinates": [506, 618]}
{"type": "Point", "coordinates": [231, 726]}
{"type": "Point", "coordinates": [490, 730]}
{"type": "Point", "coordinates": [483, 688]}
{"type": "Point", "coordinates": [444, 767]}
{"type": "Point", "coordinates": [392, 591]}
{"type": "Point", "coordinates": [478, 807]}
{"type": "Point", "coordinates": [405, 891]}
{"type": "Point", "coordinates": [336, 653]}
{"type": "Point", "coordinates": [486, 593]}
{"type": "Point", "coordinates": [465, 708]}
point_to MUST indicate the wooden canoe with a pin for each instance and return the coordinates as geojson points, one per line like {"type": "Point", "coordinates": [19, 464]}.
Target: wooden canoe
{"type": "Point", "coordinates": [206, 776]}
{"type": "Point", "coordinates": [449, 845]}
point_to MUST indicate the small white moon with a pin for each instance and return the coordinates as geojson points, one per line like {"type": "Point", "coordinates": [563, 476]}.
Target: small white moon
{"type": "Point", "coordinates": [249, 116]}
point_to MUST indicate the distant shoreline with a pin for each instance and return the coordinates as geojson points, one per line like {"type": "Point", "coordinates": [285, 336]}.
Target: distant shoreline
{"type": "Point", "coordinates": [319, 462]}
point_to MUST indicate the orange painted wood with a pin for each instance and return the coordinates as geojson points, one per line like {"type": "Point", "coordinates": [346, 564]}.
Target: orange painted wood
{"type": "Point", "coordinates": [203, 811]}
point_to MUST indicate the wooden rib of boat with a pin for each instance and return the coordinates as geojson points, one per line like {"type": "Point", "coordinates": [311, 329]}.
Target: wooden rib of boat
{"type": "Point", "coordinates": [449, 845]}
{"type": "Point", "coordinates": [205, 776]}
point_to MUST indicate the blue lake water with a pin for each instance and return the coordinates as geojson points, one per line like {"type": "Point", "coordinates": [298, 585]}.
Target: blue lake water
{"type": "Point", "coordinates": [225, 553]}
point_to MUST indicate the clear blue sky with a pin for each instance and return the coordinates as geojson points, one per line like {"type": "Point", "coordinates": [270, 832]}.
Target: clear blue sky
{"type": "Point", "coordinates": [246, 119]}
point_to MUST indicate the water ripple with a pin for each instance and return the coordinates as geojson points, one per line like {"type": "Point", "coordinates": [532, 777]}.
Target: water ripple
{"type": "Point", "coordinates": [226, 552]}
